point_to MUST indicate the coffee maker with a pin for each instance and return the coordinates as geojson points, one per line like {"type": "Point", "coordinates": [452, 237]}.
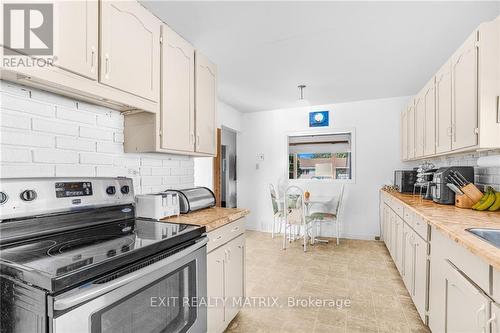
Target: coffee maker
{"type": "Point", "coordinates": [441, 194]}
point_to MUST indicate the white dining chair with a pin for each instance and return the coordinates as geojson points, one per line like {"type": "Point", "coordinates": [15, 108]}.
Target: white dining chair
{"type": "Point", "coordinates": [329, 213]}
{"type": "Point", "coordinates": [278, 213]}
{"type": "Point", "coordinates": [295, 219]}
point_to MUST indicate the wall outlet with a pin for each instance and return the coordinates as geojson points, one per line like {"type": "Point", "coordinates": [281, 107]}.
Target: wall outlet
{"type": "Point", "coordinates": [260, 157]}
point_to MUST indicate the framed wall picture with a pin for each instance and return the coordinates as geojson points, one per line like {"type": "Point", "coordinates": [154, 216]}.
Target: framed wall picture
{"type": "Point", "coordinates": [319, 119]}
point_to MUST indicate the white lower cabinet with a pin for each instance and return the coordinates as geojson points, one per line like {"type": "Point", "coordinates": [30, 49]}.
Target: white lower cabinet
{"type": "Point", "coordinates": [466, 309]}
{"type": "Point", "coordinates": [225, 275]}
{"type": "Point", "coordinates": [494, 321]}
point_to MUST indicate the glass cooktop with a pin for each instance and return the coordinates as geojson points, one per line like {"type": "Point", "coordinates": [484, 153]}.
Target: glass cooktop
{"type": "Point", "coordinates": [81, 254]}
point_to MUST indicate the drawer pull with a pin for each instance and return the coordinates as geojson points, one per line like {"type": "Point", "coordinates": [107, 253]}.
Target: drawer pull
{"type": "Point", "coordinates": [235, 229]}
{"type": "Point", "coordinates": [218, 238]}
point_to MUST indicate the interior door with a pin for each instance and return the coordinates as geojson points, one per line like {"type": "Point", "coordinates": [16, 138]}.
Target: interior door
{"type": "Point", "coordinates": [404, 135]}
{"type": "Point", "coordinates": [464, 94]}
{"type": "Point", "coordinates": [76, 36]}
{"type": "Point", "coordinates": [216, 279]}
{"type": "Point", "coordinates": [411, 131]}
{"type": "Point", "coordinates": [466, 308]}
{"type": "Point", "coordinates": [235, 275]}
{"type": "Point", "coordinates": [130, 48]}
{"type": "Point", "coordinates": [205, 104]}
{"type": "Point", "coordinates": [177, 111]}
{"type": "Point", "coordinates": [429, 119]}
{"type": "Point", "coordinates": [443, 109]}
{"type": "Point", "coordinates": [419, 125]}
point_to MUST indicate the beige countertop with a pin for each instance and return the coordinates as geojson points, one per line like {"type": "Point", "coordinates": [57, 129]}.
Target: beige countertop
{"type": "Point", "coordinates": [211, 218]}
{"type": "Point", "coordinates": [453, 222]}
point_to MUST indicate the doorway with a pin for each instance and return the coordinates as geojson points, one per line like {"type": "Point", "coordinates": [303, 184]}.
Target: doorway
{"type": "Point", "coordinates": [227, 167]}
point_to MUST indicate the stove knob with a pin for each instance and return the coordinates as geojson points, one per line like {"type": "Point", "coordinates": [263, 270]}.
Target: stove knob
{"type": "Point", "coordinates": [111, 190]}
{"type": "Point", "coordinates": [3, 198]}
{"type": "Point", "coordinates": [125, 189]}
{"type": "Point", "coordinates": [28, 195]}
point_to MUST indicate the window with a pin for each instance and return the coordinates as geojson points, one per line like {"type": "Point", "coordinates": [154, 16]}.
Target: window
{"type": "Point", "coordinates": [320, 156]}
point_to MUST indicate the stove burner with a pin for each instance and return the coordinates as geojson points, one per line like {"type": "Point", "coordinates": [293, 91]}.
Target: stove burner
{"type": "Point", "coordinates": [94, 245]}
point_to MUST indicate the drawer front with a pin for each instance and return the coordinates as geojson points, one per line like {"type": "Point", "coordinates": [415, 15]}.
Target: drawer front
{"type": "Point", "coordinates": [421, 227]}
{"type": "Point", "coordinates": [409, 217]}
{"type": "Point", "coordinates": [398, 208]}
{"type": "Point", "coordinates": [225, 233]}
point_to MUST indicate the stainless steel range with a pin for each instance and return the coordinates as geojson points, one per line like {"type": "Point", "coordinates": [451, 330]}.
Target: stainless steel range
{"type": "Point", "coordinates": [73, 258]}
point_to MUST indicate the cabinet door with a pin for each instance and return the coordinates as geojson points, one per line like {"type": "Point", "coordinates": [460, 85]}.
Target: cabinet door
{"type": "Point", "coordinates": [411, 131]}
{"type": "Point", "coordinates": [393, 219]}
{"type": "Point", "coordinates": [420, 268]}
{"type": "Point", "coordinates": [404, 135]}
{"type": "Point", "coordinates": [419, 125]}
{"type": "Point", "coordinates": [130, 48]}
{"type": "Point", "coordinates": [399, 244]}
{"type": "Point", "coordinates": [235, 276]}
{"type": "Point", "coordinates": [76, 36]}
{"type": "Point", "coordinates": [386, 226]}
{"type": "Point", "coordinates": [495, 318]}
{"type": "Point", "coordinates": [429, 119]}
{"type": "Point", "coordinates": [466, 308]}
{"type": "Point", "coordinates": [408, 250]}
{"type": "Point", "coordinates": [177, 110]}
{"type": "Point", "coordinates": [464, 93]}
{"type": "Point", "coordinates": [443, 109]}
{"type": "Point", "coordinates": [205, 104]}
{"type": "Point", "coordinates": [215, 290]}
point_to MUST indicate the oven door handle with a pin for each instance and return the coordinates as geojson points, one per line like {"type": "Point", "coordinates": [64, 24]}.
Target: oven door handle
{"type": "Point", "coordinates": [90, 291]}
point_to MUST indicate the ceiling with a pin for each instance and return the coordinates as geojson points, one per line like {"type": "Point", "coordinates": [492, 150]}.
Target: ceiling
{"type": "Point", "coordinates": [342, 51]}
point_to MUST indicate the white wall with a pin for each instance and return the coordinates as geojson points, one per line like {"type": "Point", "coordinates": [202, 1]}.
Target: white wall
{"type": "Point", "coordinates": [45, 135]}
{"type": "Point", "coordinates": [377, 149]}
{"type": "Point", "coordinates": [229, 117]}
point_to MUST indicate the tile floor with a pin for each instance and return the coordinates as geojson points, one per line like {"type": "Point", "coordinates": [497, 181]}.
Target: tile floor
{"type": "Point", "coordinates": [361, 272]}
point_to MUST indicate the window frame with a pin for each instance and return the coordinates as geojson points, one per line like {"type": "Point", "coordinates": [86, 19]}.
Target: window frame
{"type": "Point", "coordinates": [323, 131]}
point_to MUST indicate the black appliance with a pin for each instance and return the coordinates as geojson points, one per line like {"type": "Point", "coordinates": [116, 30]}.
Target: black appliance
{"type": "Point", "coordinates": [441, 194]}
{"type": "Point", "coordinates": [405, 180]}
{"type": "Point", "coordinates": [73, 251]}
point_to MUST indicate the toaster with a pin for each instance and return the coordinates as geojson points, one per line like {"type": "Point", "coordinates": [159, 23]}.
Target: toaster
{"type": "Point", "coordinates": [157, 205]}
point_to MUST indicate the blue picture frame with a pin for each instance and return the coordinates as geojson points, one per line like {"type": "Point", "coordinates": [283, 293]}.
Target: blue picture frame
{"type": "Point", "coordinates": [319, 118]}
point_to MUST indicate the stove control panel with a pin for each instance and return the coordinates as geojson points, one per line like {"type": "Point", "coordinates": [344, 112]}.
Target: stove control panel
{"type": "Point", "coordinates": [73, 189]}
{"type": "Point", "coordinates": [20, 197]}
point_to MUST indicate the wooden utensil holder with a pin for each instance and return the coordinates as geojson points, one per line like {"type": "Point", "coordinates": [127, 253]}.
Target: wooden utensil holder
{"type": "Point", "coordinates": [463, 201]}
{"type": "Point", "coordinates": [472, 192]}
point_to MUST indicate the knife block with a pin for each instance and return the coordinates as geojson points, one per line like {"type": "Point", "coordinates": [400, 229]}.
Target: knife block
{"type": "Point", "coordinates": [472, 192]}
{"type": "Point", "coordinates": [463, 201]}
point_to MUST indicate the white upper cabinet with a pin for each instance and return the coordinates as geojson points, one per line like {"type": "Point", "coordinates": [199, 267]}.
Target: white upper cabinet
{"type": "Point", "coordinates": [429, 119]}
{"type": "Point", "coordinates": [205, 104]}
{"type": "Point", "coordinates": [419, 124]}
{"type": "Point", "coordinates": [404, 135]}
{"type": "Point", "coordinates": [464, 95]}
{"type": "Point", "coordinates": [177, 108]}
{"type": "Point", "coordinates": [130, 48]}
{"type": "Point", "coordinates": [76, 36]}
{"type": "Point", "coordinates": [463, 100]}
{"type": "Point", "coordinates": [411, 130]}
{"type": "Point", "coordinates": [443, 109]}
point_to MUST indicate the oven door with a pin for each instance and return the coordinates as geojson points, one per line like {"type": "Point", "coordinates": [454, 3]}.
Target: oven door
{"type": "Point", "coordinates": [163, 296]}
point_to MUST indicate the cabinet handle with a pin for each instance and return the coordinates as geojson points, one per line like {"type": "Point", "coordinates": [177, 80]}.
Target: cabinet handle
{"type": "Point", "coordinates": [106, 57]}
{"type": "Point", "coordinates": [197, 139]}
{"type": "Point", "coordinates": [492, 322]}
{"type": "Point", "coordinates": [498, 109]}
{"type": "Point", "coordinates": [191, 138]}
{"type": "Point", "coordinates": [92, 59]}
{"type": "Point", "coordinates": [481, 309]}
{"type": "Point", "coordinates": [228, 254]}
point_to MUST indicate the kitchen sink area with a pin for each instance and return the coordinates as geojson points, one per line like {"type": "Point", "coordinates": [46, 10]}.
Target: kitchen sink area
{"type": "Point", "coordinates": [491, 236]}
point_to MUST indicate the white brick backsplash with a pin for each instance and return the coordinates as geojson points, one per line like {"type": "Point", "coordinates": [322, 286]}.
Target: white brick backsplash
{"type": "Point", "coordinates": [75, 144]}
{"type": "Point", "coordinates": [96, 133]}
{"type": "Point", "coordinates": [31, 170]}
{"type": "Point", "coordinates": [108, 147]}
{"type": "Point", "coordinates": [80, 140]}
{"type": "Point", "coordinates": [151, 162]}
{"type": "Point", "coordinates": [8, 154]}
{"type": "Point", "coordinates": [26, 139]}
{"type": "Point", "coordinates": [75, 115]}
{"type": "Point", "coordinates": [106, 171]}
{"type": "Point", "coordinates": [27, 105]}
{"type": "Point", "coordinates": [14, 120]}
{"type": "Point", "coordinates": [96, 159]}
{"type": "Point", "coordinates": [75, 171]}
{"type": "Point", "coordinates": [151, 181]}
{"type": "Point", "coordinates": [51, 126]}
{"type": "Point", "coordinates": [110, 119]}
{"type": "Point", "coordinates": [160, 171]}
{"type": "Point", "coordinates": [54, 156]}
{"type": "Point", "coordinates": [177, 172]}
